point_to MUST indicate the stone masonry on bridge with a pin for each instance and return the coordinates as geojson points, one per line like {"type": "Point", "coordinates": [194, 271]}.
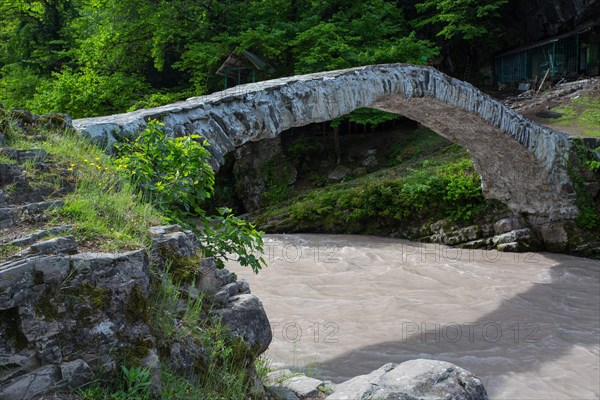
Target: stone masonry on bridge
{"type": "Point", "coordinates": [521, 163]}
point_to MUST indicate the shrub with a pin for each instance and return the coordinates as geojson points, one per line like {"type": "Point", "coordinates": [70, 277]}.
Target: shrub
{"type": "Point", "coordinates": [226, 235]}
{"type": "Point", "coordinates": [174, 174]}
{"type": "Point", "coordinates": [594, 165]}
{"type": "Point", "coordinates": [450, 190]}
{"type": "Point", "coordinates": [17, 85]}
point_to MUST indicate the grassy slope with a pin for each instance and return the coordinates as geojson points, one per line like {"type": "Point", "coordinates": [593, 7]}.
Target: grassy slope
{"type": "Point", "coordinates": [583, 113]}
{"type": "Point", "coordinates": [428, 179]}
{"type": "Point", "coordinates": [104, 208]}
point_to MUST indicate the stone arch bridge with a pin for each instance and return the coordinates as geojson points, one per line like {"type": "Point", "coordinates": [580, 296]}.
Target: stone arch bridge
{"type": "Point", "coordinates": [520, 162]}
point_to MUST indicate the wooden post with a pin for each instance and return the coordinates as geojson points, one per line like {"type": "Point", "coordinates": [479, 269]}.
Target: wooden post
{"type": "Point", "coordinates": [543, 80]}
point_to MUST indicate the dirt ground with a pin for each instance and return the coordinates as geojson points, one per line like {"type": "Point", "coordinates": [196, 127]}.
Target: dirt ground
{"type": "Point", "coordinates": [537, 106]}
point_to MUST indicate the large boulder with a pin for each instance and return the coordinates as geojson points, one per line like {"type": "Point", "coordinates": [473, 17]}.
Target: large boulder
{"type": "Point", "coordinates": [412, 380]}
{"type": "Point", "coordinates": [62, 316]}
{"type": "Point", "coordinates": [246, 319]}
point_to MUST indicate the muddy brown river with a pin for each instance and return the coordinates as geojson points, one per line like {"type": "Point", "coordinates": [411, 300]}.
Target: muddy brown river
{"type": "Point", "coordinates": [527, 324]}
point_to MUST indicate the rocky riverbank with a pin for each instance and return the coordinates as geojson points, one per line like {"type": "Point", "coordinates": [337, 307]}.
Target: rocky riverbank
{"type": "Point", "coordinates": [71, 316]}
{"type": "Point", "coordinates": [92, 299]}
{"type": "Point", "coordinates": [414, 379]}
{"type": "Point", "coordinates": [406, 183]}
{"type": "Point", "coordinates": [77, 318]}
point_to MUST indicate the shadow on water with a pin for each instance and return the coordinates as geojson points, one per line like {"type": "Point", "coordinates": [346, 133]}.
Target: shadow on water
{"type": "Point", "coordinates": [528, 332]}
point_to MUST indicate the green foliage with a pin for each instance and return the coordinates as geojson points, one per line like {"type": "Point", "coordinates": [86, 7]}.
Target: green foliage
{"type": "Point", "coordinates": [175, 386]}
{"type": "Point", "coordinates": [466, 19]}
{"type": "Point", "coordinates": [371, 117]}
{"type": "Point", "coordinates": [104, 56]}
{"type": "Point", "coordinates": [449, 190]}
{"type": "Point", "coordinates": [228, 237]}
{"type": "Point", "coordinates": [7, 250]}
{"type": "Point", "coordinates": [358, 33]}
{"type": "Point", "coordinates": [18, 83]}
{"type": "Point", "coordinates": [588, 217]}
{"type": "Point", "coordinates": [159, 99]}
{"type": "Point", "coordinates": [173, 173]}
{"type": "Point", "coordinates": [322, 47]}
{"type": "Point", "coordinates": [13, 132]}
{"type": "Point", "coordinates": [166, 302]}
{"type": "Point", "coordinates": [464, 192]}
{"type": "Point", "coordinates": [263, 366]}
{"type": "Point", "coordinates": [133, 384]}
{"type": "Point", "coordinates": [86, 93]}
{"type": "Point", "coordinates": [221, 369]}
{"type": "Point", "coordinates": [103, 207]}
{"type": "Point", "coordinates": [407, 49]}
{"type": "Point", "coordinates": [137, 382]}
{"type": "Point", "coordinates": [201, 60]}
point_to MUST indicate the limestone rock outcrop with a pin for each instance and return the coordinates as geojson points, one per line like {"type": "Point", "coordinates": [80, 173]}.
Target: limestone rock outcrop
{"type": "Point", "coordinates": [67, 316]}
{"type": "Point", "coordinates": [59, 309]}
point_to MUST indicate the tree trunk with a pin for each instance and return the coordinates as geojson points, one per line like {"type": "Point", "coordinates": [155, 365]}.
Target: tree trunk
{"type": "Point", "coordinates": [336, 144]}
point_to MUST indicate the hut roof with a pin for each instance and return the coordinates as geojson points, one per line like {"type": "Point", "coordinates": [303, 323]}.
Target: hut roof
{"type": "Point", "coordinates": [244, 59]}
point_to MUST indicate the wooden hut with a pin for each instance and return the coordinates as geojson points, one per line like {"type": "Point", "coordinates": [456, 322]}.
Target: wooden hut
{"type": "Point", "coordinates": [243, 67]}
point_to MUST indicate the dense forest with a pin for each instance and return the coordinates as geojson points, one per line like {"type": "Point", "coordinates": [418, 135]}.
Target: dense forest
{"type": "Point", "coordinates": [94, 57]}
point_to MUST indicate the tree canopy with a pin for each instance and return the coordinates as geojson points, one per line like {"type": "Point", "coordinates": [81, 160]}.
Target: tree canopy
{"type": "Point", "coordinates": [92, 57]}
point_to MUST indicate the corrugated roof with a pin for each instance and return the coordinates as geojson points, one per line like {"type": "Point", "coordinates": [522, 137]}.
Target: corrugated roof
{"type": "Point", "coordinates": [236, 60]}
{"type": "Point", "coordinates": [582, 29]}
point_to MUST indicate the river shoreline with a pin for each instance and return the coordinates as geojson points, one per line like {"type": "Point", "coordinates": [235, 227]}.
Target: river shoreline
{"type": "Point", "coordinates": [342, 305]}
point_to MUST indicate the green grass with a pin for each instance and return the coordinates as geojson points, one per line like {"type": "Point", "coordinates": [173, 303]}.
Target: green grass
{"type": "Point", "coordinates": [104, 208]}
{"type": "Point", "coordinates": [223, 376]}
{"type": "Point", "coordinates": [7, 250]}
{"type": "Point", "coordinates": [6, 160]}
{"type": "Point", "coordinates": [583, 113]}
{"type": "Point", "coordinates": [49, 180]}
{"type": "Point", "coordinates": [411, 147]}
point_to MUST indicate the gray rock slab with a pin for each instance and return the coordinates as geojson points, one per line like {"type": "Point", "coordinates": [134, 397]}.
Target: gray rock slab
{"type": "Point", "coordinates": [32, 384]}
{"type": "Point", "coordinates": [60, 245]}
{"type": "Point", "coordinates": [303, 386]}
{"type": "Point", "coordinates": [414, 379]}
